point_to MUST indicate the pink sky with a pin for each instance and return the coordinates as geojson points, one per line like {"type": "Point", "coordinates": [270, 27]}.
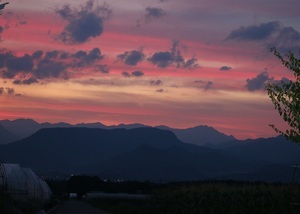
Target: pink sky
{"type": "Point", "coordinates": [160, 62]}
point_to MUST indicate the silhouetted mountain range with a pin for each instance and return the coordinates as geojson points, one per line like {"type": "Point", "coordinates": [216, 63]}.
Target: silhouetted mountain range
{"type": "Point", "coordinates": [199, 135]}
{"type": "Point", "coordinates": [25, 127]}
{"type": "Point", "coordinates": [148, 153]}
{"type": "Point", "coordinates": [117, 153]}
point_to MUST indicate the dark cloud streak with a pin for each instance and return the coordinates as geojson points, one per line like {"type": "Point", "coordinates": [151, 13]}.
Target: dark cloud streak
{"type": "Point", "coordinates": [155, 82]}
{"type": "Point", "coordinates": [205, 85]}
{"type": "Point", "coordinates": [103, 69]}
{"type": "Point", "coordinates": [225, 68]}
{"type": "Point", "coordinates": [254, 32]}
{"type": "Point", "coordinates": [24, 63]}
{"type": "Point", "coordinates": [137, 73]}
{"type": "Point", "coordinates": [126, 74]}
{"type": "Point", "coordinates": [272, 34]}
{"type": "Point", "coordinates": [55, 64]}
{"type": "Point", "coordinates": [84, 24]}
{"type": "Point", "coordinates": [83, 58]}
{"type": "Point", "coordinates": [9, 91]}
{"type": "Point", "coordinates": [261, 80]}
{"type": "Point", "coordinates": [132, 57]}
{"type": "Point", "coordinates": [132, 74]}
{"type": "Point", "coordinates": [160, 90]}
{"type": "Point", "coordinates": [154, 13]}
{"type": "Point", "coordinates": [163, 59]}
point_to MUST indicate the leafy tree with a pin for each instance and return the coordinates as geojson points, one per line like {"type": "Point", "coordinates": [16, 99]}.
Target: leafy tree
{"type": "Point", "coordinates": [286, 97]}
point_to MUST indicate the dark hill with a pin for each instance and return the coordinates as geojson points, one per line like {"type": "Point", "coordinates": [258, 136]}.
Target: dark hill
{"type": "Point", "coordinates": [177, 162]}
{"type": "Point", "coordinates": [276, 150]}
{"type": "Point", "coordinates": [6, 136]}
{"type": "Point", "coordinates": [149, 163]}
{"type": "Point", "coordinates": [69, 148]}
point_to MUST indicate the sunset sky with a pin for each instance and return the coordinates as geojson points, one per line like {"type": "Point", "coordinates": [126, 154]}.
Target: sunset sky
{"type": "Point", "coordinates": [157, 62]}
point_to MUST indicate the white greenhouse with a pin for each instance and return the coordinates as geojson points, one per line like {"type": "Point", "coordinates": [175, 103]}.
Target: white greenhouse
{"type": "Point", "coordinates": [23, 185]}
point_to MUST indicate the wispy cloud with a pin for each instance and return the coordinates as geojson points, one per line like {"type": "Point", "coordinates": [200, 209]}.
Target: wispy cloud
{"type": "Point", "coordinates": [203, 84]}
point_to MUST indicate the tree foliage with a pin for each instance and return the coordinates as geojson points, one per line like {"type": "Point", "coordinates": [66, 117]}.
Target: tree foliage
{"type": "Point", "coordinates": [286, 97]}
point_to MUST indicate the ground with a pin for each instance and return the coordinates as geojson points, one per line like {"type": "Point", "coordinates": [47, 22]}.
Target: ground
{"type": "Point", "coordinates": [76, 207]}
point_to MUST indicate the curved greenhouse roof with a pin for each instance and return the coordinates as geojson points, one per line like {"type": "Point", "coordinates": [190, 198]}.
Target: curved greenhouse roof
{"type": "Point", "coordinates": [22, 184]}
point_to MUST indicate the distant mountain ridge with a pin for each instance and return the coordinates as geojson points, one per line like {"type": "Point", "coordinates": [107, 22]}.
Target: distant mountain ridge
{"type": "Point", "coordinates": [139, 153]}
{"type": "Point", "coordinates": [25, 127]}
{"type": "Point", "coordinates": [199, 135]}
{"type": "Point", "coordinates": [149, 153]}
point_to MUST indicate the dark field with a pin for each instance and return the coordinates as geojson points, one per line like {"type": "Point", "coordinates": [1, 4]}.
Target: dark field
{"type": "Point", "coordinates": [186, 197]}
{"type": "Point", "coordinates": [210, 197]}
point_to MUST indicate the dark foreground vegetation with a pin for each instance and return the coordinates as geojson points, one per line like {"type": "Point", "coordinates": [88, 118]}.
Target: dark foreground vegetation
{"type": "Point", "coordinates": [186, 197]}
